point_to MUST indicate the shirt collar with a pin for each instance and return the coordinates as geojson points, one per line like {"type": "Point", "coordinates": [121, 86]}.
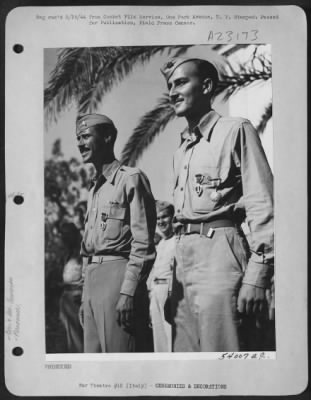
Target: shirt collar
{"type": "Point", "coordinates": [204, 127]}
{"type": "Point", "coordinates": [108, 173]}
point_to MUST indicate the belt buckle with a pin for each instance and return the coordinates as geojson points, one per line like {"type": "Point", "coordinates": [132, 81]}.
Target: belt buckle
{"type": "Point", "coordinates": [210, 233]}
{"type": "Point", "coordinates": [188, 230]}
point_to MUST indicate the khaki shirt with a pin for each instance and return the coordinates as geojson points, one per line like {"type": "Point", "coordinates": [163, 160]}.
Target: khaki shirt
{"type": "Point", "coordinates": [224, 174]}
{"type": "Point", "coordinates": [164, 263]}
{"type": "Point", "coordinates": [121, 220]}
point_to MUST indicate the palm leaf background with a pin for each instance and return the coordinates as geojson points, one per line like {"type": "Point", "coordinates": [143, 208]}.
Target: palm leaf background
{"type": "Point", "coordinates": [154, 122]}
{"type": "Point", "coordinates": [150, 125]}
{"type": "Point", "coordinates": [86, 75]}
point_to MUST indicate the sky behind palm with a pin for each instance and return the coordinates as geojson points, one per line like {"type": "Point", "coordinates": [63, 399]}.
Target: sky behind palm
{"type": "Point", "coordinates": [130, 100]}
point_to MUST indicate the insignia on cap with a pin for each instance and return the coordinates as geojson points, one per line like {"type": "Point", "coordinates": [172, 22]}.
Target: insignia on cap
{"type": "Point", "coordinates": [170, 66]}
{"type": "Point", "coordinates": [88, 120]}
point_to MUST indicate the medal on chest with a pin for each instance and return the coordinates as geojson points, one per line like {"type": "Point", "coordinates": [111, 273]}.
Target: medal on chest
{"type": "Point", "coordinates": [198, 184]}
{"type": "Point", "coordinates": [103, 221]}
{"type": "Point", "coordinates": [215, 196]}
{"type": "Point", "coordinates": [203, 181]}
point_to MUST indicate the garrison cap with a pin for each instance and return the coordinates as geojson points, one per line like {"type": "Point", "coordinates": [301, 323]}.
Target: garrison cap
{"type": "Point", "coordinates": [164, 205]}
{"type": "Point", "coordinates": [170, 66]}
{"type": "Point", "coordinates": [86, 121]}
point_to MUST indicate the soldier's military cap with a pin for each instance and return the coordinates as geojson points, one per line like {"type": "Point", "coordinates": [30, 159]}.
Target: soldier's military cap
{"type": "Point", "coordinates": [164, 205]}
{"type": "Point", "coordinates": [170, 66]}
{"type": "Point", "coordinates": [87, 120]}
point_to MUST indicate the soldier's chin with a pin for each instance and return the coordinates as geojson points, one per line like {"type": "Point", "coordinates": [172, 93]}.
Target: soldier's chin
{"type": "Point", "coordinates": [86, 157]}
{"type": "Point", "coordinates": [180, 111]}
{"type": "Point", "coordinates": [164, 230]}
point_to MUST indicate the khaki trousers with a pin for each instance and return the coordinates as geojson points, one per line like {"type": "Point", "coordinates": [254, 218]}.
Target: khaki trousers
{"type": "Point", "coordinates": [208, 278]}
{"type": "Point", "coordinates": [101, 294]}
{"type": "Point", "coordinates": [162, 330]}
{"type": "Point", "coordinates": [69, 305]}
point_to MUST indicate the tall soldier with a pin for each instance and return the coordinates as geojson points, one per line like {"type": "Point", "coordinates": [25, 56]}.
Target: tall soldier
{"type": "Point", "coordinates": [222, 178]}
{"type": "Point", "coordinates": [117, 243]}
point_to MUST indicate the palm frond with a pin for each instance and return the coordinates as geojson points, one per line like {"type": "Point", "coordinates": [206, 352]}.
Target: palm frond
{"type": "Point", "coordinates": [150, 125]}
{"type": "Point", "coordinates": [259, 69]}
{"type": "Point", "coordinates": [71, 76]}
{"type": "Point", "coordinates": [232, 79]}
{"type": "Point", "coordinates": [264, 119]}
{"type": "Point", "coordinates": [181, 50]}
{"type": "Point", "coordinates": [116, 69]}
{"type": "Point", "coordinates": [85, 75]}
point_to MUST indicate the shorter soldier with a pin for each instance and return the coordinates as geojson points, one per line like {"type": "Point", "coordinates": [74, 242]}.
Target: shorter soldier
{"type": "Point", "coordinates": [117, 243]}
{"type": "Point", "coordinates": [159, 281]}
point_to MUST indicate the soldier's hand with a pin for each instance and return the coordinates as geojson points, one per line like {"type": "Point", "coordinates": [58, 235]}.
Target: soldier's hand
{"type": "Point", "coordinates": [251, 300]}
{"type": "Point", "coordinates": [81, 315]}
{"type": "Point", "coordinates": [124, 311]}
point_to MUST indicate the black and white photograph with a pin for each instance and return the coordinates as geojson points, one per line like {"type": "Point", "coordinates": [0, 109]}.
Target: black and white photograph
{"type": "Point", "coordinates": [153, 168]}
{"type": "Point", "coordinates": [158, 190]}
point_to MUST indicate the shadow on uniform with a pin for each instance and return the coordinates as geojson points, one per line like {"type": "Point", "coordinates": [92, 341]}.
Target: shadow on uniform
{"type": "Point", "coordinates": [255, 334]}
{"type": "Point", "coordinates": [142, 331]}
{"type": "Point", "coordinates": [171, 304]}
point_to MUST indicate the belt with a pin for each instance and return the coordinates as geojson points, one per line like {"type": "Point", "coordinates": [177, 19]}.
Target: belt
{"type": "Point", "coordinates": [105, 258]}
{"type": "Point", "coordinates": [160, 280]}
{"type": "Point", "coordinates": [205, 228]}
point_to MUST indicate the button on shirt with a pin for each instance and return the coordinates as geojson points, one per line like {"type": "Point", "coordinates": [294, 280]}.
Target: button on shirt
{"type": "Point", "coordinates": [121, 220]}
{"type": "Point", "coordinates": [222, 172]}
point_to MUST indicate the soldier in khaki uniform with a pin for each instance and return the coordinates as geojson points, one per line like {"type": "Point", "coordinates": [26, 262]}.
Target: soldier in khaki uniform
{"type": "Point", "coordinates": [160, 279]}
{"type": "Point", "coordinates": [117, 243]}
{"type": "Point", "coordinates": [222, 178]}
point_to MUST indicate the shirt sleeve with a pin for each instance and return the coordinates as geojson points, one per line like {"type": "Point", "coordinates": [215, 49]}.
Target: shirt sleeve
{"type": "Point", "coordinates": [257, 184]}
{"type": "Point", "coordinates": [84, 266]}
{"type": "Point", "coordinates": [150, 279]}
{"type": "Point", "coordinates": [142, 223]}
{"type": "Point", "coordinates": [83, 251]}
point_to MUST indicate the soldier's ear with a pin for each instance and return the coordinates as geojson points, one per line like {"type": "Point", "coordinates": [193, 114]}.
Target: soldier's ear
{"type": "Point", "coordinates": [208, 86]}
{"type": "Point", "coordinates": [108, 139]}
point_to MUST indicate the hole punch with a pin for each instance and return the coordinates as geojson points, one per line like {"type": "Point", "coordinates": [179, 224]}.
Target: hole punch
{"type": "Point", "coordinates": [18, 48]}
{"type": "Point", "coordinates": [17, 351]}
{"type": "Point", "coordinates": [18, 199]}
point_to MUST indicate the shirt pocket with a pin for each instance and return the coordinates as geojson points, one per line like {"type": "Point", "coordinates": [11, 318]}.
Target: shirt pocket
{"type": "Point", "coordinates": [203, 183]}
{"type": "Point", "coordinates": [111, 221]}
{"type": "Point", "coordinates": [207, 188]}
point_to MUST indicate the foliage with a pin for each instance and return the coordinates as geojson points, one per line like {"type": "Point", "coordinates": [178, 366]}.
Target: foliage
{"type": "Point", "coordinates": [66, 183]}
{"type": "Point", "coordinates": [151, 124]}
{"type": "Point", "coordinates": [85, 75]}
{"type": "Point", "coordinates": [232, 80]}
